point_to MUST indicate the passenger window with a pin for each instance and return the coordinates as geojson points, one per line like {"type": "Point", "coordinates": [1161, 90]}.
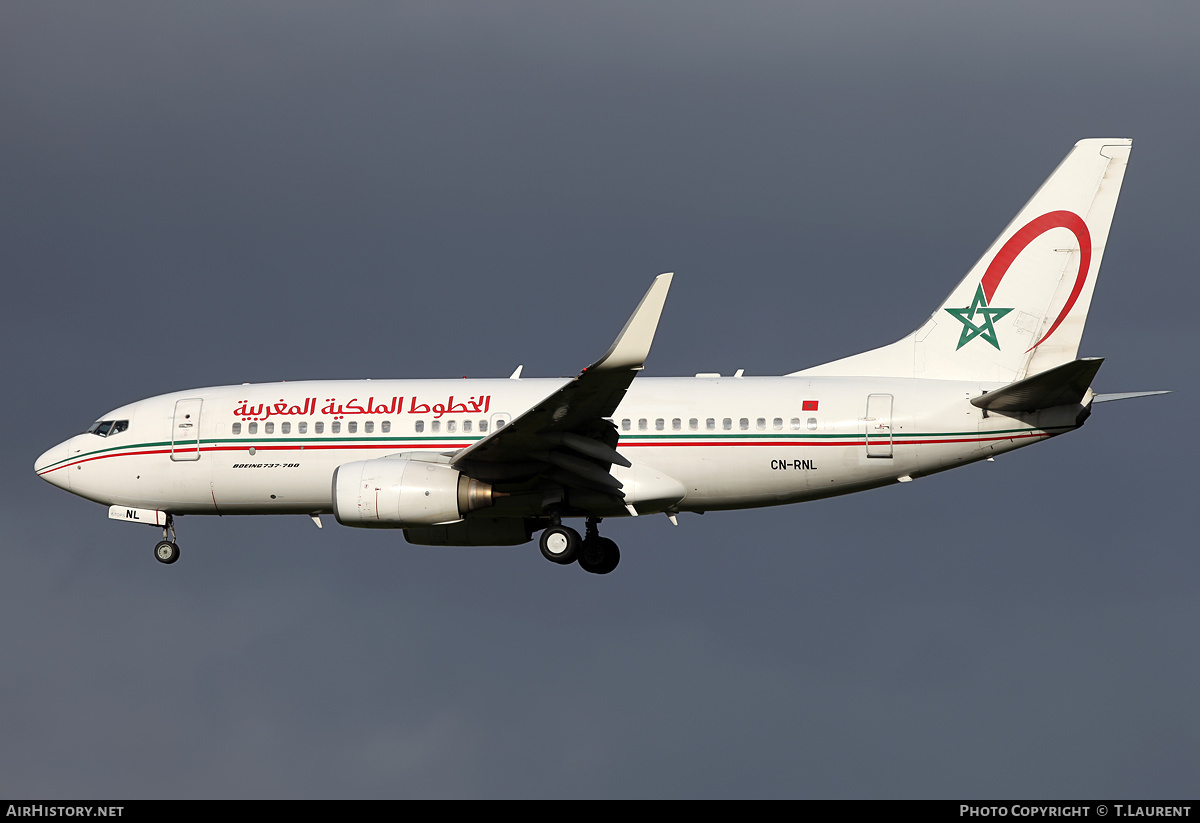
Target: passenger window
{"type": "Point", "coordinates": [303, 427]}
{"type": "Point", "coordinates": [466, 425]}
{"type": "Point", "coordinates": [419, 427]}
{"type": "Point", "coordinates": [335, 427]}
{"type": "Point", "coordinates": [253, 428]}
{"type": "Point", "coordinates": [812, 424]}
{"type": "Point", "coordinates": [641, 424]}
{"type": "Point", "coordinates": [451, 425]}
{"type": "Point", "coordinates": [352, 427]}
{"type": "Point", "coordinates": [385, 426]}
{"type": "Point", "coordinates": [285, 428]}
{"type": "Point", "coordinates": [319, 427]}
{"type": "Point", "coordinates": [744, 423]}
{"type": "Point", "coordinates": [710, 423]}
{"type": "Point", "coordinates": [659, 424]}
{"type": "Point", "coordinates": [777, 424]}
{"type": "Point", "coordinates": [626, 424]}
{"type": "Point", "coordinates": [237, 428]}
{"type": "Point", "coordinates": [727, 424]}
{"type": "Point", "coordinates": [761, 424]}
{"type": "Point", "coordinates": [435, 426]}
{"type": "Point", "coordinates": [482, 426]}
{"type": "Point", "coordinates": [269, 427]}
{"type": "Point", "coordinates": [693, 424]}
{"type": "Point", "coordinates": [795, 424]}
{"type": "Point", "coordinates": [676, 424]}
{"type": "Point", "coordinates": [368, 426]}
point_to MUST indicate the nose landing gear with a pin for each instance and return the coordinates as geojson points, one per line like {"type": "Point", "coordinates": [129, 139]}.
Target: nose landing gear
{"type": "Point", "coordinates": [166, 551]}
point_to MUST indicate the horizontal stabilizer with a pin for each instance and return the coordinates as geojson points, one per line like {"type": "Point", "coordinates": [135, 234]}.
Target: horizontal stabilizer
{"type": "Point", "coordinates": [1125, 395]}
{"type": "Point", "coordinates": [1060, 386]}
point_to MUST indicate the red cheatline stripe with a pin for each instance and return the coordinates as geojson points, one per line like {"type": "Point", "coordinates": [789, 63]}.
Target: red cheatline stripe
{"type": "Point", "coordinates": [859, 442]}
{"type": "Point", "coordinates": [982, 439]}
{"type": "Point", "coordinates": [447, 446]}
{"type": "Point", "coordinates": [104, 456]}
{"type": "Point", "coordinates": [307, 447]}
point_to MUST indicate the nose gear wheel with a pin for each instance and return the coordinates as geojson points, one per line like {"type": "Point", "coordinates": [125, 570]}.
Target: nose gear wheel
{"type": "Point", "coordinates": [166, 551]}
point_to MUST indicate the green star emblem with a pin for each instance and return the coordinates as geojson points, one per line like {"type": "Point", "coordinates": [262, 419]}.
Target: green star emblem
{"type": "Point", "coordinates": [985, 329]}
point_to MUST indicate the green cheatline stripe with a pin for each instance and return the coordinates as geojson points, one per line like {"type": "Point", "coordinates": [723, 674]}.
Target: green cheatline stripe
{"type": "Point", "coordinates": [247, 442]}
{"type": "Point", "coordinates": [106, 451]}
{"type": "Point", "coordinates": [807, 436]}
{"type": "Point", "coordinates": [801, 436]}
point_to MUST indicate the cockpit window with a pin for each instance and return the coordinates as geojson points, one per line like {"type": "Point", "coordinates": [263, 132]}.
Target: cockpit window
{"type": "Point", "coordinates": [106, 427]}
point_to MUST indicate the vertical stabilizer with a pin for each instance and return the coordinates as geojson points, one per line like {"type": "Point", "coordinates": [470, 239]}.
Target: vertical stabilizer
{"type": "Point", "coordinates": [1021, 309]}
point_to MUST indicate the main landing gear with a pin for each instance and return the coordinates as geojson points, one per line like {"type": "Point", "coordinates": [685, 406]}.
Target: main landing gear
{"type": "Point", "coordinates": [563, 545]}
{"type": "Point", "coordinates": [166, 551]}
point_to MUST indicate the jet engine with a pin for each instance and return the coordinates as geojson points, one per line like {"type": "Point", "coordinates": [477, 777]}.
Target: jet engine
{"type": "Point", "coordinates": [396, 492]}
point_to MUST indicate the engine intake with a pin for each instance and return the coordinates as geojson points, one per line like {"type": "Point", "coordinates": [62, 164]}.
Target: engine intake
{"type": "Point", "coordinates": [389, 493]}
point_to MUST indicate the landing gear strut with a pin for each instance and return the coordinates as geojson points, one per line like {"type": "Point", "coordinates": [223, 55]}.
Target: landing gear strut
{"type": "Point", "coordinates": [561, 544]}
{"type": "Point", "coordinates": [598, 555]}
{"type": "Point", "coordinates": [166, 551]}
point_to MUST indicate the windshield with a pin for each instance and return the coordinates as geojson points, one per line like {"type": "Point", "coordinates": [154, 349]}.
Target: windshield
{"type": "Point", "coordinates": [106, 427]}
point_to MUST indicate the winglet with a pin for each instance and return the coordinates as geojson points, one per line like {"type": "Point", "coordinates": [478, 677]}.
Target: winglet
{"type": "Point", "coordinates": [632, 345]}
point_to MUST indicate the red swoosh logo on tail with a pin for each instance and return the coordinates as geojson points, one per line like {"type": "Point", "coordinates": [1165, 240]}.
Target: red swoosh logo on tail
{"type": "Point", "coordinates": [1027, 234]}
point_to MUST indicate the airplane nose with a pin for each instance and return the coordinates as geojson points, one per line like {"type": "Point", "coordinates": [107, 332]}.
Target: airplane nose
{"type": "Point", "coordinates": [49, 466]}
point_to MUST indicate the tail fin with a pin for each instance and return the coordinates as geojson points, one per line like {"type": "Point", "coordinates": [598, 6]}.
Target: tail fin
{"type": "Point", "coordinates": [1021, 309]}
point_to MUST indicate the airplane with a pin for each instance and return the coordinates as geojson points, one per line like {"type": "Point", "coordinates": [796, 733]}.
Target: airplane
{"type": "Point", "coordinates": [489, 462]}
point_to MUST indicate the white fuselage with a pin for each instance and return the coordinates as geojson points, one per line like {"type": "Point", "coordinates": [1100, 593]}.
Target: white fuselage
{"type": "Point", "coordinates": [731, 442]}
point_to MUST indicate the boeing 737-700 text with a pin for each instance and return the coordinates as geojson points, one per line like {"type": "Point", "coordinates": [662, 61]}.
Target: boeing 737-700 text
{"type": "Point", "coordinates": [492, 462]}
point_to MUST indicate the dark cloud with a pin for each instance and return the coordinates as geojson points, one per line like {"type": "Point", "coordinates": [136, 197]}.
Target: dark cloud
{"type": "Point", "coordinates": [232, 192]}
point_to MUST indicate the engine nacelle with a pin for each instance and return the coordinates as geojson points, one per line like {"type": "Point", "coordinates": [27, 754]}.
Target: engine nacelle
{"type": "Point", "coordinates": [389, 493]}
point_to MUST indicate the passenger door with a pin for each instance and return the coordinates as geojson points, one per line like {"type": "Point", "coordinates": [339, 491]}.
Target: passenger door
{"type": "Point", "coordinates": [185, 430]}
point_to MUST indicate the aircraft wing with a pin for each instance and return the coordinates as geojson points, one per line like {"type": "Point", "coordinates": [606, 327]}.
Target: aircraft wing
{"type": "Point", "coordinates": [566, 436]}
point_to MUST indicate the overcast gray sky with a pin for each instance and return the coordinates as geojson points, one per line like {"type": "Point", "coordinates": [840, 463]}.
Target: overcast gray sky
{"type": "Point", "coordinates": [225, 192]}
